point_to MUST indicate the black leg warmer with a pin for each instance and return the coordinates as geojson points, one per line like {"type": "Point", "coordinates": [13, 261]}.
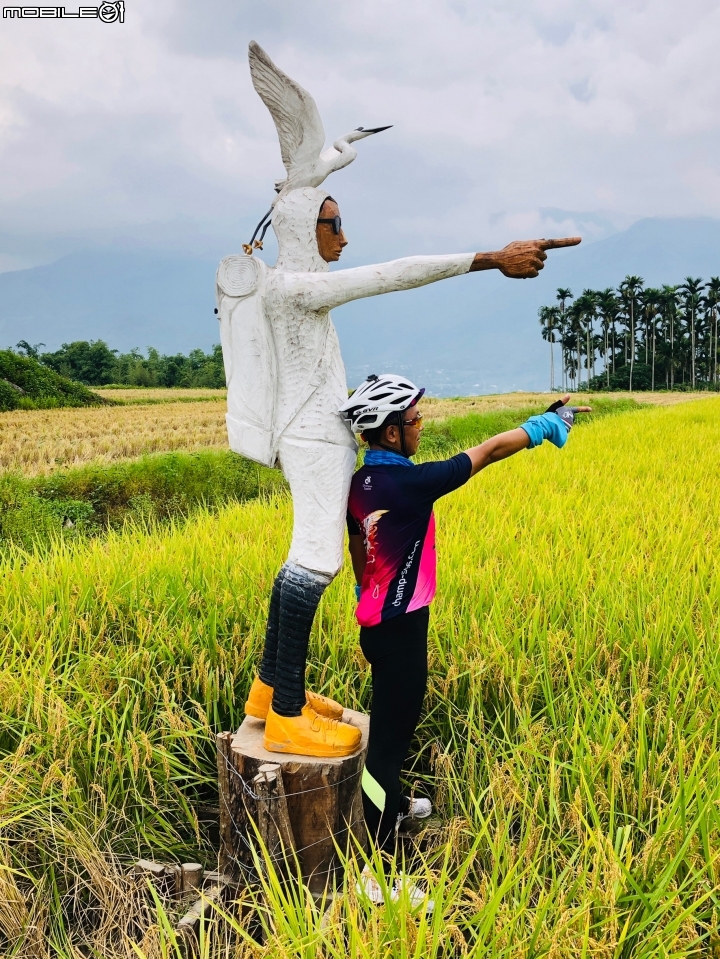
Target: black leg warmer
{"type": "Point", "coordinates": [269, 657]}
{"type": "Point", "coordinates": [299, 597]}
{"type": "Point", "coordinates": [397, 653]}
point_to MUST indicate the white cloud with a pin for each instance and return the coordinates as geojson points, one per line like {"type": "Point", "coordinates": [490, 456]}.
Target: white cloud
{"type": "Point", "coordinates": [150, 131]}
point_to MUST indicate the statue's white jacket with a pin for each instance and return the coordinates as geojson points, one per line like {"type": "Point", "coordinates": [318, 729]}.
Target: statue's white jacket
{"type": "Point", "coordinates": [284, 371]}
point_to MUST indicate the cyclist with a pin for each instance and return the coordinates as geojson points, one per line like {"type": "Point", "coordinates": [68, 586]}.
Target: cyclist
{"type": "Point", "coordinates": [392, 546]}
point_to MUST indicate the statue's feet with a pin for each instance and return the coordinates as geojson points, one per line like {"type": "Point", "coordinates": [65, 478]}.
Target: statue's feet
{"type": "Point", "coordinates": [260, 699]}
{"type": "Point", "coordinates": [310, 734]}
{"type": "Point", "coordinates": [323, 705]}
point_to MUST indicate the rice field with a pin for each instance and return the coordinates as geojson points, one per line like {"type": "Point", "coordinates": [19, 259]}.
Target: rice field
{"type": "Point", "coordinates": [39, 442]}
{"type": "Point", "coordinates": [492, 402]}
{"type": "Point", "coordinates": [569, 742]}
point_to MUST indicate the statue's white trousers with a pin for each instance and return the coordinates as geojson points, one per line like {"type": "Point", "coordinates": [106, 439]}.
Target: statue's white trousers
{"type": "Point", "coordinates": [319, 475]}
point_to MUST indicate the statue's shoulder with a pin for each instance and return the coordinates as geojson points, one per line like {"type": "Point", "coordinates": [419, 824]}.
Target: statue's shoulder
{"type": "Point", "coordinates": [241, 275]}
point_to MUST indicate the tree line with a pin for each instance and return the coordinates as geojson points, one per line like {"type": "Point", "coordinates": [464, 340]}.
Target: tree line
{"type": "Point", "coordinates": [95, 364]}
{"type": "Point", "coordinates": [635, 337]}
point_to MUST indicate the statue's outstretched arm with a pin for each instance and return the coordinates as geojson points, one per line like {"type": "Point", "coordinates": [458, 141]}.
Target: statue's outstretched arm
{"type": "Point", "coordinates": [323, 291]}
{"type": "Point", "coordinates": [317, 291]}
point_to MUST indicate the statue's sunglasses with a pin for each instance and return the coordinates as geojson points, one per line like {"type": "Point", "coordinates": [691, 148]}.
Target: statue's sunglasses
{"type": "Point", "coordinates": [336, 223]}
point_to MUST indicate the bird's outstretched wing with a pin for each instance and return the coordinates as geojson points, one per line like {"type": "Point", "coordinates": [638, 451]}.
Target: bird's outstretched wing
{"type": "Point", "coordinates": [296, 116]}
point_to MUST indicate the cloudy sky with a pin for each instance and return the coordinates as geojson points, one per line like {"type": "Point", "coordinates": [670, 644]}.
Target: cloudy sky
{"type": "Point", "coordinates": [512, 118]}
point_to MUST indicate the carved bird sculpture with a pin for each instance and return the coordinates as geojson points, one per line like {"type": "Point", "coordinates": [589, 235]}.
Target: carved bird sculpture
{"type": "Point", "coordinates": [299, 127]}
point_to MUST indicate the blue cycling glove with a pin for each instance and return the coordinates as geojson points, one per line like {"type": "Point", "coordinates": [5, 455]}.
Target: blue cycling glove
{"type": "Point", "coordinates": [357, 592]}
{"type": "Point", "coordinates": [566, 413]}
{"type": "Point", "coordinates": [554, 425]}
{"type": "Point", "coordinates": [546, 426]}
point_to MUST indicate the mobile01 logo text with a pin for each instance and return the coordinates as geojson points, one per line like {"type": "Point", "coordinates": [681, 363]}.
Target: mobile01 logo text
{"type": "Point", "coordinates": [107, 12]}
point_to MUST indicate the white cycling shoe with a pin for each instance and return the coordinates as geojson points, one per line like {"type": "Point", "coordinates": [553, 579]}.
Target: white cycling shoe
{"type": "Point", "coordinates": [369, 888]}
{"type": "Point", "coordinates": [419, 809]}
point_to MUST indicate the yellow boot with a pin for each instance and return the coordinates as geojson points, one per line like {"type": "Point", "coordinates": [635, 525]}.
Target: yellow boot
{"type": "Point", "coordinates": [258, 702]}
{"type": "Point", "coordinates": [310, 735]}
{"type": "Point", "coordinates": [323, 705]}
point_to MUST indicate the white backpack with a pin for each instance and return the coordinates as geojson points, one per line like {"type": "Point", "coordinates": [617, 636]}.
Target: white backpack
{"type": "Point", "coordinates": [249, 356]}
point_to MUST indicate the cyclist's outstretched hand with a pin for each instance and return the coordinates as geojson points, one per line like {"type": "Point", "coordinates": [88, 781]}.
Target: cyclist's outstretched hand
{"type": "Point", "coordinates": [565, 412]}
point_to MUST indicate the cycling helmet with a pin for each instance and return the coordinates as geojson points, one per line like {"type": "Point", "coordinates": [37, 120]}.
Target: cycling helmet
{"type": "Point", "coordinates": [377, 398]}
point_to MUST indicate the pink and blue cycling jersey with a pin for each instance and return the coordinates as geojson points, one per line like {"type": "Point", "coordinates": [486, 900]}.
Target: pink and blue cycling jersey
{"type": "Point", "coordinates": [391, 506]}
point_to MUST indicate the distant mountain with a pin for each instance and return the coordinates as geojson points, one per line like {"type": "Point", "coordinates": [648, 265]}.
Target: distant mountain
{"type": "Point", "coordinates": [477, 333]}
{"type": "Point", "coordinates": [128, 299]}
{"type": "Point", "coordinates": [480, 333]}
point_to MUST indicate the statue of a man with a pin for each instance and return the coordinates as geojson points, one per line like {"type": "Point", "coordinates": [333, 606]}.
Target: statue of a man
{"type": "Point", "coordinates": [286, 384]}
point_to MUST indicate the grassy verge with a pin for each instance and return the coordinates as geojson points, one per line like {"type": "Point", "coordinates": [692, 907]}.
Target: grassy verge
{"type": "Point", "coordinates": [94, 498]}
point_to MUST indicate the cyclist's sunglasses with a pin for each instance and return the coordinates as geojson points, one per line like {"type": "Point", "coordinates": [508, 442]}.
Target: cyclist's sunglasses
{"type": "Point", "coordinates": [336, 223]}
{"type": "Point", "coordinates": [414, 421]}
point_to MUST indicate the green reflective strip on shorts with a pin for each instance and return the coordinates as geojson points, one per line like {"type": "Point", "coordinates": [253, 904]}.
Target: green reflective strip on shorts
{"type": "Point", "coordinates": [373, 790]}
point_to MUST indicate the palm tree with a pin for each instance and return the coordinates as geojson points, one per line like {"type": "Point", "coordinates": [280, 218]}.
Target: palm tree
{"type": "Point", "coordinates": [712, 299]}
{"type": "Point", "coordinates": [605, 331]}
{"type": "Point", "coordinates": [586, 305]}
{"type": "Point", "coordinates": [570, 361]}
{"type": "Point", "coordinates": [629, 289]}
{"type": "Point", "coordinates": [609, 308]}
{"type": "Point", "coordinates": [692, 289]}
{"type": "Point", "coordinates": [650, 306]}
{"type": "Point", "coordinates": [550, 321]}
{"type": "Point", "coordinates": [679, 327]}
{"type": "Point", "coordinates": [576, 330]}
{"type": "Point", "coordinates": [668, 306]}
{"type": "Point", "coordinates": [562, 296]}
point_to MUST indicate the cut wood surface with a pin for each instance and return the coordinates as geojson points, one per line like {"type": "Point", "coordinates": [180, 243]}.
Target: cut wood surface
{"type": "Point", "coordinates": [192, 874]}
{"type": "Point", "coordinates": [288, 799]}
{"type": "Point", "coordinates": [188, 928]}
{"type": "Point", "coordinates": [272, 813]}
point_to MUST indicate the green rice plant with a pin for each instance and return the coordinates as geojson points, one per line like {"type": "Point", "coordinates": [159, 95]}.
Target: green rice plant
{"type": "Point", "coordinates": [569, 741]}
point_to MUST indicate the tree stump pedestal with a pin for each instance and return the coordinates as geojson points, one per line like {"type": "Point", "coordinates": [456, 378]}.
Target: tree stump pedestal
{"type": "Point", "coordinates": [298, 805]}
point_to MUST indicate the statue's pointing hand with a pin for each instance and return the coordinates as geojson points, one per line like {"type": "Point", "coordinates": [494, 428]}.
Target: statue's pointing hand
{"type": "Point", "coordinates": [521, 259]}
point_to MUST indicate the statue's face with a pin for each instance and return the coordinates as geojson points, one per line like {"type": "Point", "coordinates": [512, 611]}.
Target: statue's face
{"type": "Point", "coordinates": [330, 244]}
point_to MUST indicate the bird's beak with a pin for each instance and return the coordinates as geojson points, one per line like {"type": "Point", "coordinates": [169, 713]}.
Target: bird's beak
{"type": "Point", "coordinates": [367, 133]}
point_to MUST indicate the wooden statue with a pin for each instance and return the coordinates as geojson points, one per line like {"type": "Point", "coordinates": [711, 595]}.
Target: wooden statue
{"type": "Point", "coordinates": [286, 383]}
